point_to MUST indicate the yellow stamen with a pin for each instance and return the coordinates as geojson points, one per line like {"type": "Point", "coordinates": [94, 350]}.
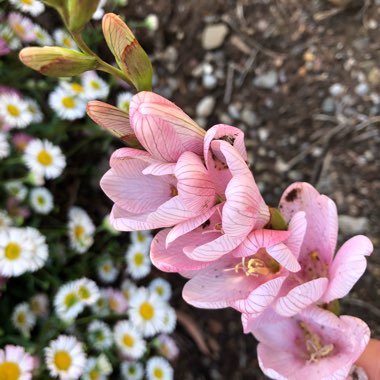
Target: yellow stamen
{"type": "Point", "coordinates": [138, 259]}
{"type": "Point", "coordinates": [67, 42]}
{"type": "Point", "coordinates": [76, 87]}
{"type": "Point", "coordinates": [62, 360]}
{"type": "Point", "coordinates": [13, 110]}
{"type": "Point", "coordinates": [147, 311]}
{"type": "Point", "coordinates": [158, 373]}
{"type": "Point", "coordinates": [84, 293]}
{"type": "Point", "coordinates": [95, 85]}
{"type": "Point", "coordinates": [128, 340]}
{"type": "Point", "coordinates": [9, 371]}
{"type": "Point", "coordinates": [27, 2]}
{"type": "Point", "coordinates": [44, 158]}
{"type": "Point", "coordinates": [12, 251]}
{"type": "Point", "coordinates": [78, 232]}
{"type": "Point", "coordinates": [68, 102]}
{"type": "Point", "coordinates": [70, 300]}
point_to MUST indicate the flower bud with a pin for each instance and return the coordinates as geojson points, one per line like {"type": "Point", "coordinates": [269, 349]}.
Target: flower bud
{"type": "Point", "coordinates": [130, 56]}
{"type": "Point", "coordinates": [56, 61]}
{"type": "Point", "coordinates": [80, 13]}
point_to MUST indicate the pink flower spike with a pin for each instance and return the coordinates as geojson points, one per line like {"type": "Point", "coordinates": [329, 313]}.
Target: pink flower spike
{"type": "Point", "coordinates": [313, 345]}
{"type": "Point", "coordinates": [162, 128]}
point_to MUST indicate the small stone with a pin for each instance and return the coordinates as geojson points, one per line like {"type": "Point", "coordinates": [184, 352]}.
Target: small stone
{"type": "Point", "coordinates": [170, 54]}
{"type": "Point", "coordinates": [374, 76]}
{"type": "Point", "coordinates": [361, 89]}
{"type": "Point", "coordinates": [209, 81]}
{"type": "Point", "coordinates": [225, 118]}
{"type": "Point", "coordinates": [205, 107]}
{"type": "Point", "coordinates": [249, 117]}
{"type": "Point", "coordinates": [281, 166]}
{"type": "Point", "coordinates": [213, 36]}
{"type": "Point", "coordinates": [337, 89]}
{"type": "Point", "coordinates": [263, 134]}
{"type": "Point", "coordinates": [350, 225]}
{"type": "Point", "coordinates": [207, 68]}
{"type": "Point", "coordinates": [328, 105]}
{"type": "Point", "coordinates": [267, 80]}
{"type": "Point", "coordinates": [234, 110]}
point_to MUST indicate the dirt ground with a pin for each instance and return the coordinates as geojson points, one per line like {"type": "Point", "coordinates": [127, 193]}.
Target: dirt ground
{"type": "Point", "coordinates": [302, 79]}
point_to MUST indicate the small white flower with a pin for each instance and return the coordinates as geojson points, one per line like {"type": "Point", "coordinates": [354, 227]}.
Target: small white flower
{"type": "Point", "coordinates": [100, 307]}
{"type": "Point", "coordinates": [39, 305]}
{"type": "Point", "coordinates": [158, 368]}
{"type": "Point", "coordinates": [15, 252]}
{"type": "Point", "coordinates": [23, 318]}
{"type": "Point", "coordinates": [65, 358]}
{"type": "Point", "coordinates": [141, 237]}
{"type": "Point", "coordinates": [35, 110]}
{"type": "Point", "coordinates": [5, 220]}
{"type": "Point", "coordinates": [5, 148]}
{"type": "Point", "coordinates": [16, 189]}
{"type": "Point", "coordinates": [67, 303]}
{"type": "Point", "coordinates": [38, 247]}
{"type": "Point", "coordinates": [88, 291]}
{"type": "Point", "coordinates": [10, 38]}
{"type": "Point", "coordinates": [138, 261]}
{"type": "Point", "coordinates": [62, 38]}
{"type": "Point", "coordinates": [116, 301]}
{"type": "Point", "coordinates": [128, 288]}
{"type": "Point", "coordinates": [162, 288]}
{"type": "Point", "coordinates": [97, 368]}
{"type": "Point", "coordinates": [67, 105]}
{"type": "Point", "coordinates": [43, 38]}
{"type": "Point", "coordinates": [170, 320]}
{"type": "Point", "coordinates": [34, 7]}
{"type": "Point", "coordinates": [73, 88]}
{"type": "Point", "coordinates": [123, 100]}
{"type": "Point", "coordinates": [147, 312]}
{"type": "Point", "coordinates": [95, 87]}
{"type": "Point", "coordinates": [14, 359]}
{"type": "Point", "coordinates": [81, 230]}
{"type": "Point", "coordinates": [41, 200]}
{"type": "Point", "coordinates": [21, 26]}
{"type": "Point", "coordinates": [107, 270]}
{"type": "Point", "coordinates": [129, 340]}
{"type": "Point", "coordinates": [99, 10]}
{"type": "Point", "coordinates": [99, 335]}
{"type": "Point", "coordinates": [132, 370]}
{"type": "Point", "coordinates": [14, 110]}
{"type": "Point", "coordinates": [44, 158]}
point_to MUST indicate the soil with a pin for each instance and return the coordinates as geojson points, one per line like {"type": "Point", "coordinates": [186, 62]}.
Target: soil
{"type": "Point", "coordinates": [303, 129]}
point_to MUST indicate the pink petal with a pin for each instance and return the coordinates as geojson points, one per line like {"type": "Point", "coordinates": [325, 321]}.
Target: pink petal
{"type": "Point", "coordinates": [172, 259]}
{"type": "Point", "coordinates": [300, 297]}
{"type": "Point", "coordinates": [195, 187]}
{"type": "Point", "coordinates": [321, 215]}
{"type": "Point", "coordinates": [347, 267]}
{"type": "Point", "coordinates": [297, 228]}
{"type": "Point", "coordinates": [163, 128]}
{"type": "Point", "coordinates": [159, 169]}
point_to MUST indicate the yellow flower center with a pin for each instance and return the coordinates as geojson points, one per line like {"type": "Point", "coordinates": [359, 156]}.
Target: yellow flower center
{"type": "Point", "coordinates": [62, 360]}
{"type": "Point", "coordinates": [66, 42]}
{"type": "Point", "coordinates": [113, 304]}
{"type": "Point", "coordinates": [35, 306]}
{"type": "Point", "coordinates": [41, 200]}
{"type": "Point", "coordinates": [44, 158]}
{"type": "Point", "coordinates": [128, 341]}
{"type": "Point", "coordinates": [147, 311]}
{"type": "Point", "coordinates": [13, 110]}
{"type": "Point", "coordinates": [78, 232]}
{"type": "Point", "coordinates": [94, 374]}
{"type": "Point", "coordinates": [12, 251]}
{"type": "Point", "coordinates": [70, 300]}
{"type": "Point", "coordinates": [76, 87]}
{"type": "Point", "coordinates": [95, 85]}
{"type": "Point", "coordinates": [21, 319]}
{"type": "Point", "coordinates": [139, 259]}
{"type": "Point", "coordinates": [84, 293]}
{"type": "Point", "coordinates": [160, 290]}
{"type": "Point", "coordinates": [68, 102]}
{"type": "Point", "coordinates": [19, 29]}
{"type": "Point", "coordinates": [106, 268]}
{"type": "Point", "coordinates": [9, 371]}
{"type": "Point", "coordinates": [27, 2]}
{"type": "Point", "coordinates": [158, 373]}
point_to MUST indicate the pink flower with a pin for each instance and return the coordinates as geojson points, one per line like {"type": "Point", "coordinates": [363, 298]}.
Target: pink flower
{"type": "Point", "coordinates": [313, 345]}
{"type": "Point", "coordinates": [323, 277]}
{"type": "Point", "coordinates": [250, 277]}
{"type": "Point", "coordinates": [22, 26]}
{"type": "Point", "coordinates": [4, 48]}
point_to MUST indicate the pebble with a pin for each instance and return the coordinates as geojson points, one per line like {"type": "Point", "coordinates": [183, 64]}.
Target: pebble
{"type": "Point", "coordinates": [170, 54]}
{"type": "Point", "coordinates": [281, 166]}
{"type": "Point", "coordinates": [350, 225]}
{"type": "Point", "coordinates": [267, 80]}
{"type": "Point", "coordinates": [214, 35]}
{"type": "Point", "coordinates": [374, 76]}
{"type": "Point", "coordinates": [328, 105]}
{"type": "Point", "coordinates": [263, 134]}
{"type": "Point", "coordinates": [205, 107]}
{"type": "Point", "coordinates": [337, 89]}
{"type": "Point", "coordinates": [234, 110]}
{"type": "Point", "coordinates": [249, 117]}
{"type": "Point", "coordinates": [361, 89]}
{"type": "Point", "coordinates": [209, 81]}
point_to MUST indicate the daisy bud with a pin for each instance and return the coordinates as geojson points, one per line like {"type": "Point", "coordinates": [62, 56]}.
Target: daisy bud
{"type": "Point", "coordinates": [129, 55]}
{"type": "Point", "coordinates": [80, 13]}
{"type": "Point", "coordinates": [56, 61]}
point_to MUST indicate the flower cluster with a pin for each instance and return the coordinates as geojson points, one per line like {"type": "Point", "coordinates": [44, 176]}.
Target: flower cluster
{"type": "Point", "coordinates": [277, 267]}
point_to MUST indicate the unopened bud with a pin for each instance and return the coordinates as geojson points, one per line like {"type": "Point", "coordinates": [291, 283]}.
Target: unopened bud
{"type": "Point", "coordinates": [151, 22]}
{"type": "Point", "coordinates": [80, 13]}
{"type": "Point", "coordinates": [56, 61]}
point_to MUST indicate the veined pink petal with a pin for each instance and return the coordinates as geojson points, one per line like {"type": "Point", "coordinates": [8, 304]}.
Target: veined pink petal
{"type": "Point", "coordinates": [189, 225]}
{"type": "Point", "coordinates": [321, 215]}
{"type": "Point", "coordinates": [172, 259]}
{"type": "Point", "coordinates": [300, 297]}
{"type": "Point", "coordinates": [163, 128]}
{"type": "Point", "coordinates": [347, 267]}
{"type": "Point", "coordinates": [297, 228]}
{"type": "Point", "coordinates": [195, 187]}
{"type": "Point", "coordinates": [159, 168]}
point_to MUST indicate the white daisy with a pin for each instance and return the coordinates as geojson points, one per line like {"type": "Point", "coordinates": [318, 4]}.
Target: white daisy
{"type": "Point", "coordinates": [167, 347]}
{"type": "Point", "coordinates": [39, 305]}
{"type": "Point", "coordinates": [5, 148]}
{"type": "Point", "coordinates": [5, 220]}
{"type": "Point", "coordinates": [81, 230]}
{"type": "Point", "coordinates": [161, 287]}
{"type": "Point", "coordinates": [63, 38]}
{"type": "Point", "coordinates": [35, 110]}
{"type": "Point", "coordinates": [138, 261]}
{"type": "Point", "coordinates": [107, 270]}
{"type": "Point", "coordinates": [116, 301]}
{"type": "Point", "coordinates": [147, 312]}
{"type": "Point", "coordinates": [10, 38]}
{"type": "Point", "coordinates": [170, 320]}
{"type": "Point", "coordinates": [128, 340]}
{"type": "Point", "coordinates": [123, 100]}
{"type": "Point", "coordinates": [39, 249]}
{"type": "Point", "coordinates": [15, 361]}
{"type": "Point", "coordinates": [88, 291]}
{"type": "Point", "coordinates": [44, 158]}
{"type": "Point", "coordinates": [158, 368]}
{"type": "Point", "coordinates": [34, 7]}
{"type": "Point", "coordinates": [42, 36]}
{"type": "Point", "coordinates": [66, 105]}
{"type": "Point", "coordinates": [23, 318]}
{"type": "Point", "coordinates": [14, 110]}
{"type": "Point", "coordinates": [132, 370]}
{"type": "Point", "coordinates": [67, 303]}
{"type": "Point", "coordinates": [21, 26]}
{"type": "Point", "coordinates": [97, 368]}
{"type": "Point", "coordinates": [65, 358]}
{"type": "Point", "coordinates": [141, 237]}
{"type": "Point", "coordinates": [16, 189]}
{"type": "Point", "coordinates": [95, 87]}
{"type": "Point", "coordinates": [41, 200]}
{"type": "Point", "coordinates": [128, 288]}
{"type": "Point", "coordinates": [72, 88]}
{"type": "Point", "coordinates": [99, 10]}
{"type": "Point", "coordinates": [15, 252]}
{"type": "Point", "coordinates": [100, 307]}
{"type": "Point", "coordinates": [99, 335]}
